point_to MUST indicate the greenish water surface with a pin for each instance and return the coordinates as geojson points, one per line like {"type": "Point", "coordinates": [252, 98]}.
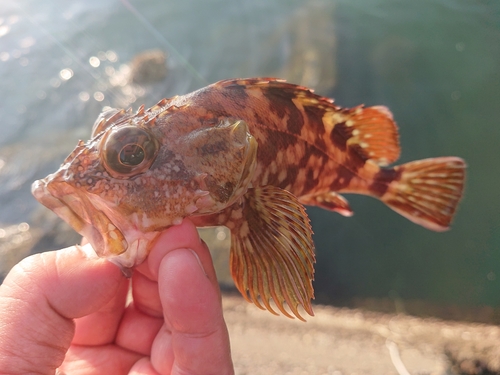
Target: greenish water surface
{"type": "Point", "coordinates": [434, 63]}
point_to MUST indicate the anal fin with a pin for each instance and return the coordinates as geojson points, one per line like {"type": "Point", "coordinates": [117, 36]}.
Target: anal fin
{"type": "Point", "coordinates": [329, 201]}
{"type": "Point", "coordinates": [272, 252]}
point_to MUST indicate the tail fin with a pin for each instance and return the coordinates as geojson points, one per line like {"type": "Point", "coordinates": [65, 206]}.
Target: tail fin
{"type": "Point", "coordinates": [427, 191]}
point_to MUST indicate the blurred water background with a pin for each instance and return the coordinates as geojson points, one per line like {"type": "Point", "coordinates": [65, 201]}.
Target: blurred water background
{"type": "Point", "coordinates": [434, 63]}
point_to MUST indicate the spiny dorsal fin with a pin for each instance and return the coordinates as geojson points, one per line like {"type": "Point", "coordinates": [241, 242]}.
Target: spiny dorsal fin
{"type": "Point", "coordinates": [140, 111]}
{"type": "Point", "coordinates": [160, 107]}
{"type": "Point", "coordinates": [371, 132]}
{"type": "Point", "coordinates": [329, 201]}
{"type": "Point", "coordinates": [272, 252]}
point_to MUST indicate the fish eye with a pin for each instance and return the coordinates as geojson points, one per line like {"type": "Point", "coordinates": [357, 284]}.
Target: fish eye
{"type": "Point", "coordinates": [131, 154]}
{"type": "Point", "coordinates": [128, 150]}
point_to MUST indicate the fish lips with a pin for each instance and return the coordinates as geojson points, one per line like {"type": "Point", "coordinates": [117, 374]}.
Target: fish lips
{"type": "Point", "coordinates": [80, 213]}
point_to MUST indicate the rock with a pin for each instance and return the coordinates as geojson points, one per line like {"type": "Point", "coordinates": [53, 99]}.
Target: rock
{"type": "Point", "coordinates": [148, 67]}
{"type": "Point", "coordinates": [474, 356]}
{"type": "Point", "coordinates": [342, 341]}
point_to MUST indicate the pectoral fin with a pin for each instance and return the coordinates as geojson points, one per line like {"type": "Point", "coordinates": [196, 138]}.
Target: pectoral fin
{"type": "Point", "coordinates": [272, 253]}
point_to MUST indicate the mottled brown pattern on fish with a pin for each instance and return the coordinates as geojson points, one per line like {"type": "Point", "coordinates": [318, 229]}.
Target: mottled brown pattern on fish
{"type": "Point", "coordinates": [245, 153]}
{"type": "Point", "coordinates": [294, 122]}
{"type": "Point", "coordinates": [382, 180]}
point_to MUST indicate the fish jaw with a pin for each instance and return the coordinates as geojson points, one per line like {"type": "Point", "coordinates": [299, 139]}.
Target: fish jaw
{"type": "Point", "coordinates": [41, 192]}
{"type": "Point", "coordinates": [78, 211]}
{"type": "Point", "coordinates": [122, 245]}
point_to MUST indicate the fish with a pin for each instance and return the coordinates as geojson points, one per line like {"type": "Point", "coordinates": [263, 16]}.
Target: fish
{"type": "Point", "coordinates": [247, 154]}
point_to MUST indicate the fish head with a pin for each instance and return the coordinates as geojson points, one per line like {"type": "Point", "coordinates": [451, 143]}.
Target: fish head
{"type": "Point", "coordinates": [134, 178]}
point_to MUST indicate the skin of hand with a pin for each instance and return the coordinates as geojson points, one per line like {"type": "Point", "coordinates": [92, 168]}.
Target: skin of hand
{"type": "Point", "coordinates": [72, 311]}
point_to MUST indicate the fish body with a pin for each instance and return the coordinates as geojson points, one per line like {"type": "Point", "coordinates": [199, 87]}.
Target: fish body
{"type": "Point", "coordinates": [247, 154]}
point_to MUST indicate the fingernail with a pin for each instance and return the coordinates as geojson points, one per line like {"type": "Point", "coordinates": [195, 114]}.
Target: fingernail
{"type": "Point", "coordinates": [199, 261]}
{"type": "Point", "coordinates": [88, 251]}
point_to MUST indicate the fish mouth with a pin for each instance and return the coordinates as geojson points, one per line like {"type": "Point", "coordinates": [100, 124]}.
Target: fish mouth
{"type": "Point", "coordinates": [81, 214]}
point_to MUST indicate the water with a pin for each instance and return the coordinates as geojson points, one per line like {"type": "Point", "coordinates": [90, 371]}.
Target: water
{"type": "Point", "coordinates": [436, 64]}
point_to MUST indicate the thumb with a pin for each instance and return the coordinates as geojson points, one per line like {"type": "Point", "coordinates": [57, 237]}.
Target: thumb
{"type": "Point", "coordinates": [39, 299]}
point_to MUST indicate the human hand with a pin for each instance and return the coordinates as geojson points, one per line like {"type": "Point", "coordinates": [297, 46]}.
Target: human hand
{"type": "Point", "coordinates": [67, 309]}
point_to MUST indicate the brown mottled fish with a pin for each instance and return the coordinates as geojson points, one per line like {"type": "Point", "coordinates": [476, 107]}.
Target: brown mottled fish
{"type": "Point", "coordinates": [247, 154]}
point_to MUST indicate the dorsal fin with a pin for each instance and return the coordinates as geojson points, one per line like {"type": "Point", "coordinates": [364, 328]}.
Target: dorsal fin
{"type": "Point", "coordinates": [272, 252]}
{"type": "Point", "coordinates": [160, 106]}
{"type": "Point", "coordinates": [370, 132]}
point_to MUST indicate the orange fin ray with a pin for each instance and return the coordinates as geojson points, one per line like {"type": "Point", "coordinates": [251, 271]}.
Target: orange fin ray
{"type": "Point", "coordinates": [373, 134]}
{"type": "Point", "coordinates": [328, 201]}
{"type": "Point", "coordinates": [272, 252]}
{"type": "Point", "coordinates": [427, 191]}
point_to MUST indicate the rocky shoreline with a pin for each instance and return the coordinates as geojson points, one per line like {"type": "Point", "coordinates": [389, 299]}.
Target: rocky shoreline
{"type": "Point", "coordinates": [342, 341]}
